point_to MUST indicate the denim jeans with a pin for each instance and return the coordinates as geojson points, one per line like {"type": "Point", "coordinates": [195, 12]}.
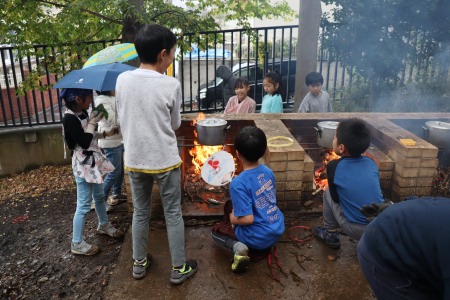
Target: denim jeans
{"type": "Point", "coordinates": [388, 283]}
{"type": "Point", "coordinates": [333, 218]}
{"type": "Point", "coordinates": [85, 193]}
{"type": "Point", "coordinates": [114, 179]}
{"type": "Point", "coordinates": [170, 191]}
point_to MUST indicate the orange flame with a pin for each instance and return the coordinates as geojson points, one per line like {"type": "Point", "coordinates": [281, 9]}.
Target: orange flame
{"type": "Point", "coordinates": [320, 180]}
{"type": "Point", "coordinates": [201, 153]}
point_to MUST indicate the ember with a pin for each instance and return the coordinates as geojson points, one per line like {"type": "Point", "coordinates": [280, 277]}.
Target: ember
{"type": "Point", "coordinates": [441, 183]}
{"type": "Point", "coordinates": [320, 175]}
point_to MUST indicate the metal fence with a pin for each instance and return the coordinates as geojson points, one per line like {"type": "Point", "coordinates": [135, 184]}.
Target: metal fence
{"type": "Point", "coordinates": [248, 52]}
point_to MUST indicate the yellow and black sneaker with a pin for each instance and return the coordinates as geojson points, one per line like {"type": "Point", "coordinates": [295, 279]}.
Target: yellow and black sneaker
{"type": "Point", "coordinates": [179, 276]}
{"type": "Point", "coordinates": [240, 263]}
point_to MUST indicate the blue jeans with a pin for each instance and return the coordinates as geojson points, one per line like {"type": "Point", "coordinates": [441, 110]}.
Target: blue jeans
{"type": "Point", "coordinates": [85, 193]}
{"type": "Point", "coordinates": [114, 179]}
{"type": "Point", "coordinates": [388, 283]}
{"type": "Point", "coordinates": [170, 191]}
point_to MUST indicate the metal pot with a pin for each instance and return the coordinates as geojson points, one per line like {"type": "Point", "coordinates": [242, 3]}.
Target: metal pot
{"type": "Point", "coordinates": [325, 133]}
{"type": "Point", "coordinates": [212, 131]}
{"type": "Point", "coordinates": [437, 133]}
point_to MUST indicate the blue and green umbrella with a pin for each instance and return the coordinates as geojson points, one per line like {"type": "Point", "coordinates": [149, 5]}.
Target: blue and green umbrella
{"type": "Point", "coordinates": [112, 54]}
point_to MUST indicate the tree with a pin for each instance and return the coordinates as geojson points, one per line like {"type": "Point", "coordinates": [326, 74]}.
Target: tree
{"type": "Point", "coordinates": [378, 39]}
{"type": "Point", "coordinates": [308, 37]}
{"type": "Point", "coordinates": [61, 22]}
{"type": "Point", "coordinates": [56, 22]}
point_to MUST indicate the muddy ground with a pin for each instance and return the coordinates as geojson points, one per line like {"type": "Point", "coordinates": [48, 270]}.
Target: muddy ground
{"type": "Point", "coordinates": [36, 211]}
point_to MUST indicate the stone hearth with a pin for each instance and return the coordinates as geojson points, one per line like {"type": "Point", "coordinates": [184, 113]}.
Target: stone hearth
{"type": "Point", "coordinates": [404, 170]}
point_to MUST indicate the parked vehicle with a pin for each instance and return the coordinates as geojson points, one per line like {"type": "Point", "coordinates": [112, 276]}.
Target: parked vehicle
{"type": "Point", "coordinates": [211, 96]}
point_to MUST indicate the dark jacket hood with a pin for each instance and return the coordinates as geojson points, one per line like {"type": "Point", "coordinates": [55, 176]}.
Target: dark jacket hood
{"type": "Point", "coordinates": [224, 72]}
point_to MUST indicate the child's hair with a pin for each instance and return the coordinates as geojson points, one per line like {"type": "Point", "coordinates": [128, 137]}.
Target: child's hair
{"type": "Point", "coordinates": [251, 142]}
{"type": "Point", "coordinates": [69, 96]}
{"type": "Point", "coordinates": [151, 40]}
{"type": "Point", "coordinates": [105, 93]}
{"type": "Point", "coordinates": [314, 78]}
{"type": "Point", "coordinates": [354, 134]}
{"type": "Point", "coordinates": [241, 82]}
{"type": "Point", "coordinates": [275, 77]}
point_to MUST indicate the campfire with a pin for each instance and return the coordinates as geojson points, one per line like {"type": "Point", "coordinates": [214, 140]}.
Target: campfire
{"type": "Point", "coordinates": [199, 152]}
{"type": "Point", "coordinates": [320, 175]}
{"type": "Point", "coordinates": [194, 186]}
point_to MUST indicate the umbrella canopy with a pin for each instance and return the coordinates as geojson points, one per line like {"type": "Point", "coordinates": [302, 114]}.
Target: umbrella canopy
{"type": "Point", "coordinates": [115, 53]}
{"type": "Point", "coordinates": [99, 78]}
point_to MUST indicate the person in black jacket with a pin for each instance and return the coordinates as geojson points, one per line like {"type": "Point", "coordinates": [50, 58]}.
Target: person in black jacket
{"type": "Point", "coordinates": [89, 166]}
{"type": "Point", "coordinates": [229, 81]}
{"type": "Point", "coordinates": [404, 253]}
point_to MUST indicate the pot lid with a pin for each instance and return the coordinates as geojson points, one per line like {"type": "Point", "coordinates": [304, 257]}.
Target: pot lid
{"type": "Point", "coordinates": [211, 122]}
{"type": "Point", "coordinates": [438, 125]}
{"type": "Point", "coordinates": [328, 124]}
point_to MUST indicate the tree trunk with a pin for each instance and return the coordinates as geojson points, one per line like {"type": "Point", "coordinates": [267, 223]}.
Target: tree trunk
{"type": "Point", "coordinates": [308, 39]}
{"type": "Point", "coordinates": [130, 22]}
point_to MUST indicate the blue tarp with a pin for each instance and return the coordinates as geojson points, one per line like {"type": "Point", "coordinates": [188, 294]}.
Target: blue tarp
{"type": "Point", "coordinates": [209, 54]}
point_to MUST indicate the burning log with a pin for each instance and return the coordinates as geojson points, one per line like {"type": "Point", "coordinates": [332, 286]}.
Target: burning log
{"type": "Point", "coordinates": [320, 175]}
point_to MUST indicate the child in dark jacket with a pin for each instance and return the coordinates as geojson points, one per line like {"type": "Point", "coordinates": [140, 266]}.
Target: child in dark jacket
{"type": "Point", "coordinates": [89, 166]}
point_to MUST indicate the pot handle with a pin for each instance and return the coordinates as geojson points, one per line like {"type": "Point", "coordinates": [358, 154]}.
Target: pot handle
{"type": "Point", "coordinates": [225, 130]}
{"type": "Point", "coordinates": [426, 132]}
{"type": "Point", "coordinates": [318, 131]}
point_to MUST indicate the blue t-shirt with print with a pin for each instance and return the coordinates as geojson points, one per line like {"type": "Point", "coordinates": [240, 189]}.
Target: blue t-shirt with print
{"type": "Point", "coordinates": [253, 193]}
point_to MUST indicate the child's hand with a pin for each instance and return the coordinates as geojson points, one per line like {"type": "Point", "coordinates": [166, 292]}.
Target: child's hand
{"type": "Point", "coordinates": [113, 131]}
{"type": "Point", "coordinates": [95, 116]}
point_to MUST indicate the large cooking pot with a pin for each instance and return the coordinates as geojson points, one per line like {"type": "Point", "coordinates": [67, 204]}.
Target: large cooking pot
{"type": "Point", "coordinates": [212, 131]}
{"type": "Point", "coordinates": [437, 133]}
{"type": "Point", "coordinates": [325, 133]}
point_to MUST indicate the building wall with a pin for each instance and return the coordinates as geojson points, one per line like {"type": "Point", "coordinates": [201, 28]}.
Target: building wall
{"type": "Point", "coordinates": [29, 148]}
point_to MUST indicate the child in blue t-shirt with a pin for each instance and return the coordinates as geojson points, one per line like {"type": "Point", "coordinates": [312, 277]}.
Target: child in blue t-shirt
{"type": "Point", "coordinates": [258, 222]}
{"type": "Point", "coordinates": [273, 101]}
{"type": "Point", "coordinates": [353, 181]}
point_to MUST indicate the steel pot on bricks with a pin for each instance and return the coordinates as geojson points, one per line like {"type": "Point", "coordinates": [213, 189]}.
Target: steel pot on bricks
{"type": "Point", "coordinates": [212, 131]}
{"type": "Point", "coordinates": [437, 133]}
{"type": "Point", "coordinates": [325, 133]}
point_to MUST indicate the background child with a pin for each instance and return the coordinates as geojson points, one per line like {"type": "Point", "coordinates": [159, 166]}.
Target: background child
{"type": "Point", "coordinates": [273, 101]}
{"type": "Point", "coordinates": [316, 100]}
{"type": "Point", "coordinates": [353, 182]}
{"type": "Point", "coordinates": [112, 147]}
{"type": "Point", "coordinates": [241, 103]}
{"type": "Point", "coordinates": [258, 221]}
{"type": "Point", "coordinates": [148, 104]}
{"type": "Point", "coordinates": [89, 166]}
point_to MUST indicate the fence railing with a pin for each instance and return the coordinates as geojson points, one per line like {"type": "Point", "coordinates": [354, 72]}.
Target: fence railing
{"type": "Point", "coordinates": [248, 52]}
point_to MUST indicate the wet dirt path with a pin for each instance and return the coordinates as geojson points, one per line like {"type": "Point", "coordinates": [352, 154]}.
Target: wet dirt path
{"type": "Point", "coordinates": [326, 274]}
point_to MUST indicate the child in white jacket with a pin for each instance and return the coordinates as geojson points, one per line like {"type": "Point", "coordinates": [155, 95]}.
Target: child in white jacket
{"type": "Point", "coordinates": [112, 147]}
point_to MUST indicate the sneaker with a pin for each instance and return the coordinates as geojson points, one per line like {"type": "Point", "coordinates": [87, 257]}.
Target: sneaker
{"type": "Point", "coordinates": [179, 276]}
{"type": "Point", "coordinates": [84, 248]}
{"type": "Point", "coordinates": [330, 238]}
{"type": "Point", "coordinates": [110, 230]}
{"type": "Point", "coordinates": [120, 197]}
{"type": "Point", "coordinates": [240, 263]}
{"type": "Point", "coordinates": [108, 206]}
{"type": "Point", "coordinates": [140, 267]}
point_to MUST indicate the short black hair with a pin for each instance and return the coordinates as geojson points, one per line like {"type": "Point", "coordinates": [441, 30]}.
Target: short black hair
{"type": "Point", "coordinates": [251, 142]}
{"type": "Point", "coordinates": [241, 82]}
{"type": "Point", "coordinates": [313, 78]}
{"type": "Point", "coordinates": [151, 40]}
{"type": "Point", "coordinates": [354, 134]}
